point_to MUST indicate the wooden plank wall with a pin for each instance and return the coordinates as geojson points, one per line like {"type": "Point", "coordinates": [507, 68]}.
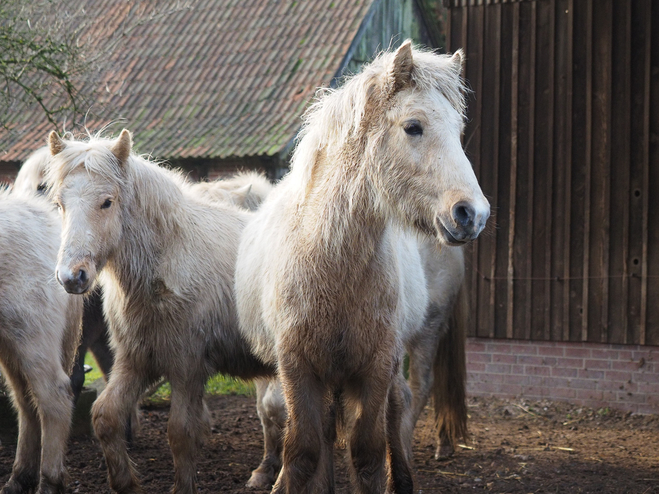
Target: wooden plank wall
{"type": "Point", "coordinates": [563, 134]}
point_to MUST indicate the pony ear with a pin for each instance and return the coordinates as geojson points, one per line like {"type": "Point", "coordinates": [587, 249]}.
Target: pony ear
{"type": "Point", "coordinates": [457, 61]}
{"type": "Point", "coordinates": [400, 75]}
{"type": "Point", "coordinates": [55, 143]}
{"type": "Point", "coordinates": [123, 146]}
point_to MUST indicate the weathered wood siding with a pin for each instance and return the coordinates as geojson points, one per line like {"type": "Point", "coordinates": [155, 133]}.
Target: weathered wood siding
{"type": "Point", "coordinates": [563, 134]}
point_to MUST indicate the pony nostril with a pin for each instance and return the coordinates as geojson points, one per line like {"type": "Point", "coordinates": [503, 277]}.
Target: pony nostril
{"type": "Point", "coordinates": [464, 214]}
{"type": "Point", "coordinates": [82, 276]}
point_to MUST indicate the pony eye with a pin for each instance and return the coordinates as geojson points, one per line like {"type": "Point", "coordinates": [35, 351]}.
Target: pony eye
{"type": "Point", "coordinates": [106, 204]}
{"type": "Point", "coordinates": [413, 128]}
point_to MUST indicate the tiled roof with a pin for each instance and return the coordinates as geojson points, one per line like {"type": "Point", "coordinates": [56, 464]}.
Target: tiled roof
{"type": "Point", "coordinates": [213, 78]}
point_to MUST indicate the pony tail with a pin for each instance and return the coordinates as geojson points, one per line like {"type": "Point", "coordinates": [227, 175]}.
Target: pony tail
{"type": "Point", "coordinates": [450, 376]}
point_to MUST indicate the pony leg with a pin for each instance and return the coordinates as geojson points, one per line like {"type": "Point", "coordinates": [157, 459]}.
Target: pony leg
{"type": "Point", "coordinates": [421, 358]}
{"type": "Point", "coordinates": [25, 473]}
{"type": "Point", "coordinates": [367, 441]}
{"type": "Point", "coordinates": [187, 429]}
{"type": "Point", "coordinates": [110, 414]}
{"type": "Point", "coordinates": [304, 441]}
{"type": "Point", "coordinates": [54, 399]}
{"type": "Point", "coordinates": [400, 480]}
{"type": "Point", "coordinates": [271, 408]}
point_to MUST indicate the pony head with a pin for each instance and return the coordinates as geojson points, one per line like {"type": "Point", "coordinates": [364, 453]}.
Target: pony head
{"type": "Point", "coordinates": [30, 178]}
{"type": "Point", "coordinates": [400, 123]}
{"type": "Point", "coordinates": [85, 180]}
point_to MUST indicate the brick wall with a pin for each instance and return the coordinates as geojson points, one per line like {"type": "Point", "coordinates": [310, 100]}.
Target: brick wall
{"type": "Point", "coordinates": [625, 377]}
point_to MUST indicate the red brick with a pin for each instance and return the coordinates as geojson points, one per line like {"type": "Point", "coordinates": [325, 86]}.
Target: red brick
{"type": "Point", "coordinates": [603, 353]}
{"type": "Point", "coordinates": [536, 380]}
{"type": "Point", "coordinates": [499, 347]}
{"type": "Point", "coordinates": [530, 360]}
{"type": "Point", "coordinates": [648, 389]}
{"type": "Point", "coordinates": [574, 363]}
{"type": "Point", "coordinates": [516, 379]}
{"type": "Point", "coordinates": [478, 357]}
{"type": "Point", "coordinates": [553, 351]}
{"type": "Point", "coordinates": [631, 397]}
{"type": "Point", "coordinates": [498, 368]}
{"type": "Point", "coordinates": [474, 345]}
{"type": "Point", "coordinates": [583, 384]}
{"type": "Point", "coordinates": [589, 394]}
{"type": "Point", "coordinates": [628, 365]}
{"type": "Point", "coordinates": [621, 376]}
{"type": "Point", "coordinates": [484, 388]}
{"type": "Point", "coordinates": [472, 367]}
{"type": "Point", "coordinates": [528, 349]}
{"type": "Point", "coordinates": [610, 385]}
{"type": "Point", "coordinates": [489, 377]}
{"type": "Point", "coordinates": [503, 358]}
{"type": "Point", "coordinates": [563, 393]}
{"type": "Point", "coordinates": [590, 374]}
{"type": "Point", "coordinates": [564, 371]}
{"type": "Point", "coordinates": [625, 355]}
{"type": "Point", "coordinates": [536, 370]}
{"type": "Point", "coordinates": [597, 364]}
{"type": "Point", "coordinates": [646, 377]}
{"type": "Point", "coordinates": [648, 353]}
{"type": "Point", "coordinates": [517, 369]}
{"type": "Point", "coordinates": [510, 389]}
{"type": "Point", "coordinates": [577, 352]}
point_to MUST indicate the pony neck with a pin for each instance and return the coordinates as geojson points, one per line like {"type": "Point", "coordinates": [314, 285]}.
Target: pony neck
{"type": "Point", "coordinates": [339, 212]}
{"type": "Point", "coordinates": [153, 219]}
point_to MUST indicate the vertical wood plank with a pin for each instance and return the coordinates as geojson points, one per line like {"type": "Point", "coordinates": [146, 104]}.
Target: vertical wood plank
{"type": "Point", "coordinates": [544, 95]}
{"type": "Point", "coordinates": [523, 240]}
{"type": "Point", "coordinates": [650, 292]}
{"type": "Point", "coordinates": [505, 202]}
{"type": "Point", "coordinates": [620, 174]}
{"type": "Point", "coordinates": [489, 160]}
{"type": "Point", "coordinates": [512, 224]}
{"type": "Point", "coordinates": [567, 154]}
{"type": "Point", "coordinates": [472, 139]}
{"type": "Point", "coordinates": [638, 135]}
{"type": "Point", "coordinates": [560, 165]}
{"type": "Point", "coordinates": [601, 160]}
{"type": "Point", "coordinates": [588, 31]}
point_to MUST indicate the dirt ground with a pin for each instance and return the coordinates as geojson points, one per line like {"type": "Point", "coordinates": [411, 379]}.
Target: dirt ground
{"type": "Point", "coordinates": [516, 447]}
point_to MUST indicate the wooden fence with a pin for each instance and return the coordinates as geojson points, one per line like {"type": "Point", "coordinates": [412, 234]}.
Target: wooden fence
{"type": "Point", "coordinates": [563, 134]}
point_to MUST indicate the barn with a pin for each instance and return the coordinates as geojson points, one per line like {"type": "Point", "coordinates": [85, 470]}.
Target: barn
{"type": "Point", "coordinates": [563, 134]}
{"type": "Point", "coordinates": [211, 86]}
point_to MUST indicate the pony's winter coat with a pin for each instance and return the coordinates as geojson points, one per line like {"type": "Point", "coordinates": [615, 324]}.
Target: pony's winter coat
{"type": "Point", "coordinates": [328, 275]}
{"type": "Point", "coordinates": [39, 334]}
{"type": "Point", "coordinates": [164, 257]}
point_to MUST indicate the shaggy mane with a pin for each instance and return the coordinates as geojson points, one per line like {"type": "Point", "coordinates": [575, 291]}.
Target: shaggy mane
{"type": "Point", "coordinates": [337, 113]}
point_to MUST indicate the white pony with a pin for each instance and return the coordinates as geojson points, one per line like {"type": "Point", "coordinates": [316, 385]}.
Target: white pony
{"type": "Point", "coordinates": [165, 258]}
{"type": "Point", "coordinates": [329, 277]}
{"type": "Point", "coordinates": [39, 334]}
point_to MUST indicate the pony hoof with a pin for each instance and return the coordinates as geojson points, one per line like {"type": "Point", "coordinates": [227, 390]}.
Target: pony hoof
{"type": "Point", "coordinates": [444, 451]}
{"type": "Point", "coordinates": [20, 484]}
{"type": "Point", "coordinates": [260, 480]}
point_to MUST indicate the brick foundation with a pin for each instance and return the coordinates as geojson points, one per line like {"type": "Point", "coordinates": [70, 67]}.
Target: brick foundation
{"type": "Point", "coordinates": [625, 377]}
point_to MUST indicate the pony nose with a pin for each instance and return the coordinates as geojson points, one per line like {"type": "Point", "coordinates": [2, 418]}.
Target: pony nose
{"type": "Point", "coordinates": [76, 281]}
{"type": "Point", "coordinates": [464, 214]}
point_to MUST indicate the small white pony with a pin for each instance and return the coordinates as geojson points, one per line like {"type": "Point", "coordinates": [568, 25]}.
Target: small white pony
{"type": "Point", "coordinates": [39, 334]}
{"type": "Point", "coordinates": [329, 277]}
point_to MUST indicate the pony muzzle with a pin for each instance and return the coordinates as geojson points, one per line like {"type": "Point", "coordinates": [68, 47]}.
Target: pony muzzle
{"type": "Point", "coordinates": [76, 280]}
{"type": "Point", "coordinates": [463, 224]}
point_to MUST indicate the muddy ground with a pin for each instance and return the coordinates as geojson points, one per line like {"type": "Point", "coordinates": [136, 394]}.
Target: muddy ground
{"type": "Point", "coordinates": [516, 447]}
